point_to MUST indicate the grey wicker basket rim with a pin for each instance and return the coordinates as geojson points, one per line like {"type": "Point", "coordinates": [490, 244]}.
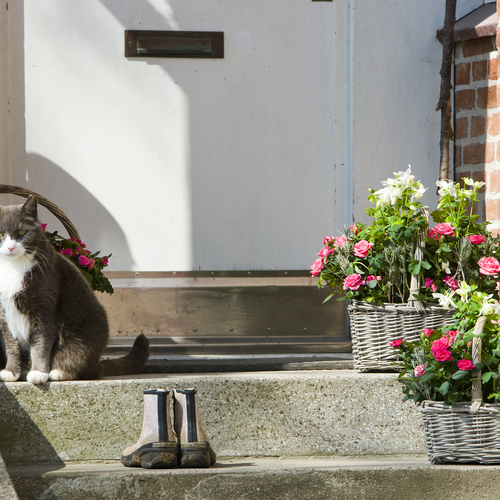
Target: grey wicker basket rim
{"type": "Point", "coordinates": [53, 208]}
{"type": "Point", "coordinates": [394, 308]}
{"type": "Point", "coordinates": [439, 406]}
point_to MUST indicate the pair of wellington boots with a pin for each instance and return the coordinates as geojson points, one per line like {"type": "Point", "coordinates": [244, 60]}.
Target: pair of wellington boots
{"type": "Point", "coordinates": [158, 447]}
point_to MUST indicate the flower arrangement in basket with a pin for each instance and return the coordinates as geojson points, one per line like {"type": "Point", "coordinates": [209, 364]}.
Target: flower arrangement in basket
{"type": "Point", "coordinates": [395, 270]}
{"type": "Point", "coordinates": [89, 263]}
{"type": "Point", "coordinates": [450, 371]}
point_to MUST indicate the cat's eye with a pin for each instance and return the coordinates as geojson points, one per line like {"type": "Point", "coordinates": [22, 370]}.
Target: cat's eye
{"type": "Point", "coordinates": [22, 232]}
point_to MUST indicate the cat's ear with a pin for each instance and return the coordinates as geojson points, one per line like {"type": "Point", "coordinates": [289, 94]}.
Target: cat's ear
{"type": "Point", "coordinates": [29, 207]}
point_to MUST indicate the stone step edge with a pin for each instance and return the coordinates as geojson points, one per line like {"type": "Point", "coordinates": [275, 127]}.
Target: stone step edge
{"type": "Point", "coordinates": [374, 477]}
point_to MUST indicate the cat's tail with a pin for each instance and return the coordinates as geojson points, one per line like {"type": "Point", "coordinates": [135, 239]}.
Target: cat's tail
{"type": "Point", "coordinates": [130, 364]}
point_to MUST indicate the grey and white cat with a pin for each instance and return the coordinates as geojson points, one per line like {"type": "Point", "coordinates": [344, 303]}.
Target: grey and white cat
{"type": "Point", "coordinates": [51, 322]}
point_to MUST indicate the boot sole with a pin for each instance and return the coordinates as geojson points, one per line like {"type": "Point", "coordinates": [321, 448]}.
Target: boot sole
{"type": "Point", "coordinates": [196, 455]}
{"type": "Point", "coordinates": [152, 456]}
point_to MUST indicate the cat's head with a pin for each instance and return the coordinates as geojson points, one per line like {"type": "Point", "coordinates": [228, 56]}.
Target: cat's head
{"type": "Point", "coordinates": [20, 231]}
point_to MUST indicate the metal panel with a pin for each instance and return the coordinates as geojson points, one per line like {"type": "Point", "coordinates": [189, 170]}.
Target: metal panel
{"type": "Point", "coordinates": [216, 312]}
{"type": "Point", "coordinates": [204, 44]}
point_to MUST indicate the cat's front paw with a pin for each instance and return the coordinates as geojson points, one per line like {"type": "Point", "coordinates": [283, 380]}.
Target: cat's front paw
{"type": "Point", "coordinates": [56, 374]}
{"type": "Point", "coordinates": [8, 376]}
{"type": "Point", "coordinates": [36, 377]}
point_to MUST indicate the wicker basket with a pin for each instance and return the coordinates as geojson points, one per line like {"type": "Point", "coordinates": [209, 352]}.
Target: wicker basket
{"type": "Point", "coordinates": [373, 328]}
{"type": "Point", "coordinates": [467, 433]}
{"type": "Point", "coordinates": [68, 225]}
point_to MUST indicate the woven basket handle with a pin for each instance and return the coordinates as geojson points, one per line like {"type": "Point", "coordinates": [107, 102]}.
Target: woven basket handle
{"type": "Point", "coordinates": [415, 278]}
{"type": "Point", "coordinates": [477, 391]}
{"type": "Point", "coordinates": [73, 233]}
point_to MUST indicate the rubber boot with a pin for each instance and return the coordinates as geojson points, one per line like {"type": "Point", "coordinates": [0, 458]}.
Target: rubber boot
{"type": "Point", "coordinates": [194, 447]}
{"type": "Point", "coordinates": [157, 447]}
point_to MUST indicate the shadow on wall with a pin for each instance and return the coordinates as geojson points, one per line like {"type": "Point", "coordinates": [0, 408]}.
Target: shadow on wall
{"type": "Point", "coordinates": [79, 205]}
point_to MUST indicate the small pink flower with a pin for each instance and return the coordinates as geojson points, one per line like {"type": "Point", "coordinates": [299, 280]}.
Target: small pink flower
{"type": "Point", "coordinates": [451, 282]}
{"type": "Point", "coordinates": [428, 282]}
{"type": "Point", "coordinates": [476, 239]}
{"type": "Point", "coordinates": [451, 334]}
{"type": "Point", "coordinates": [354, 229]}
{"type": "Point", "coordinates": [84, 261]}
{"type": "Point", "coordinates": [489, 266]}
{"type": "Point", "coordinates": [445, 228]}
{"type": "Point", "coordinates": [328, 239]}
{"type": "Point", "coordinates": [465, 364]}
{"type": "Point", "coordinates": [370, 278]}
{"type": "Point", "coordinates": [317, 266]}
{"type": "Point", "coordinates": [352, 282]}
{"type": "Point", "coordinates": [105, 261]}
{"type": "Point", "coordinates": [441, 343]}
{"type": "Point", "coordinates": [340, 241]}
{"type": "Point", "coordinates": [433, 287]}
{"type": "Point", "coordinates": [427, 332]}
{"type": "Point", "coordinates": [362, 248]}
{"type": "Point", "coordinates": [66, 251]}
{"type": "Point", "coordinates": [44, 227]}
{"type": "Point", "coordinates": [442, 354]}
{"type": "Point", "coordinates": [420, 370]}
{"type": "Point", "coordinates": [326, 251]}
{"type": "Point", "coordinates": [396, 343]}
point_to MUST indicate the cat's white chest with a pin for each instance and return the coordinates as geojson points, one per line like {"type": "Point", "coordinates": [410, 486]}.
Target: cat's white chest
{"type": "Point", "coordinates": [12, 272]}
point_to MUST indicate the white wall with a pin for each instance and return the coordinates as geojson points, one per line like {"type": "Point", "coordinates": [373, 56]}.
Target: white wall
{"type": "Point", "coordinates": [179, 164]}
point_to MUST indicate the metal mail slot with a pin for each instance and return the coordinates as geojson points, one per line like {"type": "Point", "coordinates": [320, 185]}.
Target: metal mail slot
{"type": "Point", "coordinates": [204, 44]}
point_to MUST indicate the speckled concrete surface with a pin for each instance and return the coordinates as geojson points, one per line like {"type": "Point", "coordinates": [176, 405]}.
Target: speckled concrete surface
{"type": "Point", "coordinates": [7, 491]}
{"type": "Point", "coordinates": [354, 478]}
{"type": "Point", "coordinates": [312, 413]}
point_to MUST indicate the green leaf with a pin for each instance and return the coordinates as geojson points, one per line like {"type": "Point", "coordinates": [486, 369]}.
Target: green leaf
{"type": "Point", "coordinates": [459, 375]}
{"type": "Point", "coordinates": [485, 378]}
{"type": "Point", "coordinates": [328, 298]}
{"type": "Point", "coordinates": [445, 387]}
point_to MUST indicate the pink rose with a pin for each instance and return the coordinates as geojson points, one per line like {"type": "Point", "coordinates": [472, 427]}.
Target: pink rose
{"type": "Point", "coordinates": [328, 239]}
{"type": "Point", "coordinates": [445, 228]}
{"type": "Point", "coordinates": [427, 332]}
{"type": "Point", "coordinates": [441, 343]}
{"type": "Point", "coordinates": [362, 248]}
{"type": "Point", "coordinates": [105, 261]}
{"type": "Point", "coordinates": [476, 239]}
{"type": "Point", "coordinates": [44, 227]}
{"type": "Point", "coordinates": [489, 266]}
{"type": "Point", "coordinates": [433, 234]}
{"type": "Point", "coordinates": [451, 334]}
{"type": "Point", "coordinates": [420, 370]}
{"type": "Point", "coordinates": [370, 278]}
{"type": "Point", "coordinates": [316, 267]}
{"type": "Point", "coordinates": [326, 251]}
{"type": "Point", "coordinates": [84, 261]}
{"type": "Point", "coordinates": [352, 282]}
{"type": "Point", "coordinates": [340, 241]}
{"type": "Point", "coordinates": [442, 354]}
{"type": "Point", "coordinates": [428, 282]}
{"type": "Point", "coordinates": [465, 365]}
{"type": "Point", "coordinates": [451, 282]}
{"type": "Point", "coordinates": [396, 343]}
{"type": "Point", "coordinates": [354, 229]}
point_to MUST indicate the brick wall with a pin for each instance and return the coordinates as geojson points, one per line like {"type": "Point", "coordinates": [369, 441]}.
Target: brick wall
{"type": "Point", "coordinates": [477, 121]}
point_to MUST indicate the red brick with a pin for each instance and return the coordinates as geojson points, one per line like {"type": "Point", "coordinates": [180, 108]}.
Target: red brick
{"type": "Point", "coordinates": [486, 97]}
{"type": "Point", "coordinates": [479, 70]}
{"type": "Point", "coordinates": [494, 182]}
{"type": "Point", "coordinates": [460, 176]}
{"type": "Point", "coordinates": [461, 128]}
{"type": "Point", "coordinates": [462, 74]}
{"type": "Point", "coordinates": [478, 126]}
{"type": "Point", "coordinates": [479, 46]}
{"type": "Point", "coordinates": [492, 209]}
{"type": "Point", "coordinates": [492, 69]}
{"type": "Point", "coordinates": [464, 99]}
{"type": "Point", "coordinates": [478, 177]}
{"type": "Point", "coordinates": [476, 154]}
{"type": "Point", "coordinates": [458, 156]}
{"type": "Point", "coordinates": [493, 124]}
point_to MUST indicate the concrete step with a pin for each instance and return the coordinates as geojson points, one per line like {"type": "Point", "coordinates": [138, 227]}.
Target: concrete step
{"type": "Point", "coordinates": [270, 414]}
{"type": "Point", "coordinates": [305, 478]}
